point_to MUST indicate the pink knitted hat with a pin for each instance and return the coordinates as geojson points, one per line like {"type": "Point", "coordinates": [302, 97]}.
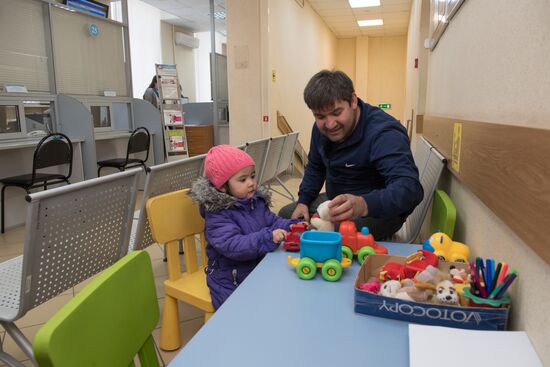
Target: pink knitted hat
{"type": "Point", "coordinates": [223, 161]}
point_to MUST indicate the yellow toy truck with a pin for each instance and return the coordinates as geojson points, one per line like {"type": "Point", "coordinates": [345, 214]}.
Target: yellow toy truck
{"type": "Point", "coordinates": [446, 249]}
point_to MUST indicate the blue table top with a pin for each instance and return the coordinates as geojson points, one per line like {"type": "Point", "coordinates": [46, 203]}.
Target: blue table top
{"type": "Point", "coordinates": [276, 319]}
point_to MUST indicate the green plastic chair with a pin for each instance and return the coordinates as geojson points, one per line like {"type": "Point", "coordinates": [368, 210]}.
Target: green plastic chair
{"type": "Point", "coordinates": [443, 214]}
{"type": "Point", "coordinates": [107, 323]}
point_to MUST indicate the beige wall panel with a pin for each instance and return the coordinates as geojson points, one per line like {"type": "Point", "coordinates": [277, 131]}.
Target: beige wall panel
{"type": "Point", "coordinates": [362, 58]}
{"type": "Point", "coordinates": [184, 58]}
{"type": "Point", "coordinates": [300, 45]}
{"type": "Point", "coordinates": [345, 56]}
{"type": "Point", "coordinates": [491, 64]}
{"type": "Point", "coordinates": [244, 71]}
{"type": "Point", "coordinates": [185, 61]}
{"type": "Point", "coordinates": [386, 74]}
{"type": "Point", "coordinates": [167, 42]}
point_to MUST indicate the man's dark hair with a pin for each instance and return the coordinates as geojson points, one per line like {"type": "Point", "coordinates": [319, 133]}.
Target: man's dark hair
{"type": "Point", "coordinates": [326, 87]}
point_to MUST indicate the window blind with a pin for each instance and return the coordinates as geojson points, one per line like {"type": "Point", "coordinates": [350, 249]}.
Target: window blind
{"type": "Point", "coordinates": [23, 57]}
{"type": "Point", "coordinates": [85, 64]}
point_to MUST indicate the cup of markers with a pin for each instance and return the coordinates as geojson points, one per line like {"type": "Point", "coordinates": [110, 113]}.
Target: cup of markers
{"type": "Point", "coordinates": [489, 283]}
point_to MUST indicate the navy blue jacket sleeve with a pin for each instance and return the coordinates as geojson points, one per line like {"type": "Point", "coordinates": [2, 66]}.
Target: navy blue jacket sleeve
{"type": "Point", "coordinates": [315, 172]}
{"type": "Point", "coordinates": [392, 157]}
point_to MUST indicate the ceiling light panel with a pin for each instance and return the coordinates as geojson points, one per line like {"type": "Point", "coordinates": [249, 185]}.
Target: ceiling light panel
{"type": "Point", "coordinates": [370, 22]}
{"type": "Point", "coordinates": [363, 3]}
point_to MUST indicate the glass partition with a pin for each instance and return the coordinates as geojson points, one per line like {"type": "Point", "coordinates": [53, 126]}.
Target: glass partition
{"type": "Point", "coordinates": [9, 120]}
{"type": "Point", "coordinates": [101, 116]}
{"type": "Point", "coordinates": [38, 117]}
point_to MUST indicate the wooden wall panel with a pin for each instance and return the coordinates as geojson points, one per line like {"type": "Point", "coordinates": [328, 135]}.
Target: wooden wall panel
{"type": "Point", "coordinates": [508, 168]}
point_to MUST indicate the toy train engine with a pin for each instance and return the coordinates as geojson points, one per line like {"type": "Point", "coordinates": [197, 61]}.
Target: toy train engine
{"type": "Point", "coordinates": [361, 243]}
{"type": "Point", "coordinates": [292, 241]}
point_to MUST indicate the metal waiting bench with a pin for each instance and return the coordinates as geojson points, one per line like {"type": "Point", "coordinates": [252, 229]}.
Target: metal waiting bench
{"type": "Point", "coordinates": [164, 178]}
{"type": "Point", "coordinates": [258, 149]}
{"type": "Point", "coordinates": [430, 165]}
{"type": "Point", "coordinates": [72, 233]}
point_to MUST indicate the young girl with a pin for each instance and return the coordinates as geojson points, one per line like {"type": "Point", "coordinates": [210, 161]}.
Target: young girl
{"type": "Point", "coordinates": [239, 227]}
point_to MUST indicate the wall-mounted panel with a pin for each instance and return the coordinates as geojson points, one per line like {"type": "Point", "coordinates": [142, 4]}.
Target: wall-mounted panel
{"type": "Point", "coordinates": [506, 167]}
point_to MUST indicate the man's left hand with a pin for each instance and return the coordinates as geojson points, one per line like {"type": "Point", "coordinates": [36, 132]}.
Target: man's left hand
{"type": "Point", "coordinates": [347, 207]}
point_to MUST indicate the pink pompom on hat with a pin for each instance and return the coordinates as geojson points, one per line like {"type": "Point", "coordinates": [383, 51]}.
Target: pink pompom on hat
{"type": "Point", "coordinates": [223, 161]}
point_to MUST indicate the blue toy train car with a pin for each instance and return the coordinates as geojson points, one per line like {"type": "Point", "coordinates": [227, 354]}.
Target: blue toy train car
{"type": "Point", "coordinates": [320, 250]}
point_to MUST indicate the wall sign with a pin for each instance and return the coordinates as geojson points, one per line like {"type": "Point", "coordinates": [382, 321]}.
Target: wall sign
{"type": "Point", "coordinates": [457, 143]}
{"type": "Point", "coordinates": [93, 30]}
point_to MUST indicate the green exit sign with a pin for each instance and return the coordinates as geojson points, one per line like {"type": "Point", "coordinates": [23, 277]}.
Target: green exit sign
{"type": "Point", "coordinates": [386, 106]}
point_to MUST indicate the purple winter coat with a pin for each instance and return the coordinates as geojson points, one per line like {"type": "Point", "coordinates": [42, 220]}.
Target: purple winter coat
{"type": "Point", "coordinates": [238, 234]}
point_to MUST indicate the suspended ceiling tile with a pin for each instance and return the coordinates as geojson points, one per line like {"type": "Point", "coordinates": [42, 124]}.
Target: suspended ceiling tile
{"type": "Point", "coordinates": [340, 18]}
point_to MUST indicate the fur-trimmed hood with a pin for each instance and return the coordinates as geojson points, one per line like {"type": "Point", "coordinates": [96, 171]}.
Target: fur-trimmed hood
{"type": "Point", "coordinates": [212, 200]}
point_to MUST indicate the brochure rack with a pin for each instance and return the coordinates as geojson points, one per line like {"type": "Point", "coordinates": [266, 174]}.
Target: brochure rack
{"type": "Point", "coordinates": [175, 139]}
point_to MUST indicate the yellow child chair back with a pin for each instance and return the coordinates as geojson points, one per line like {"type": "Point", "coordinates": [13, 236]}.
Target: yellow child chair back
{"type": "Point", "coordinates": [174, 217]}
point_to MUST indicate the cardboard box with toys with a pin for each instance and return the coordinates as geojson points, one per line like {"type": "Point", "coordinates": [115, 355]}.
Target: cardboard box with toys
{"type": "Point", "coordinates": [423, 290]}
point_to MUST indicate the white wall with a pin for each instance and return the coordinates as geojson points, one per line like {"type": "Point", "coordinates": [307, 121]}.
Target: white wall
{"type": "Point", "coordinates": [491, 65]}
{"type": "Point", "coordinates": [145, 43]}
{"type": "Point", "coordinates": [202, 62]}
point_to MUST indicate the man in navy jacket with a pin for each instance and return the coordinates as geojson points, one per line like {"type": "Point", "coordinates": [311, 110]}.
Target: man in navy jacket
{"type": "Point", "coordinates": [362, 154]}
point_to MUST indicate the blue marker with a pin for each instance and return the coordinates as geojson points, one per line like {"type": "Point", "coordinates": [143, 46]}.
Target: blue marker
{"type": "Point", "coordinates": [483, 274]}
{"type": "Point", "coordinates": [504, 285]}
{"type": "Point", "coordinates": [490, 271]}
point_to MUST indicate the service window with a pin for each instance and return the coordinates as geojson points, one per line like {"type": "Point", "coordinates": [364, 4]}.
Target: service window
{"type": "Point", "coordinates": [101, 116]}
{"type": "Point", "coordinates": [38, 117]}
{"type": "Point", "coordinates": [10, 124]}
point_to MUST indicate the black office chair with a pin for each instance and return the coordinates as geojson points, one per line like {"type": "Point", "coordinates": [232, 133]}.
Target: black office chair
{"type": "Point", "coordinates": [139, 142]}
{"type": "Point", "coordinates": [54, 149]}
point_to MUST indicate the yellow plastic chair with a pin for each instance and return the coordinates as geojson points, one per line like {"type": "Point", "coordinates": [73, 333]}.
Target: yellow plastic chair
{"type": "Point", "coordinates": [174, 217]}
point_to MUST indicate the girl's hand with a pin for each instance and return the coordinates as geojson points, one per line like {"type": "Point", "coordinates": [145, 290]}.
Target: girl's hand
{"type": "Point", "coordinates": [279, 235]}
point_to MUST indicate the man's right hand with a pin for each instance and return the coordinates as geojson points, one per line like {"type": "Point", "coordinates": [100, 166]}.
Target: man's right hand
{"type": "Point", "coordinates": [301, 211]}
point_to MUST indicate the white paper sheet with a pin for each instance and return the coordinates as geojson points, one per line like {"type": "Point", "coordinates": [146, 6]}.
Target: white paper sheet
{"type": "Point", "coordinates": [449, 347]}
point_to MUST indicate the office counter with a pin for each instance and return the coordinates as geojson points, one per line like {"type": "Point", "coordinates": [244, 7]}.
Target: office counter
{"type": "Point", "coordinates": [276, 319]}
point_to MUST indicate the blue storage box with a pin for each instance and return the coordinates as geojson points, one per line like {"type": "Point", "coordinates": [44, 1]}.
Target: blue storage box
{"type": "Point", "coordinates": [479, 318]}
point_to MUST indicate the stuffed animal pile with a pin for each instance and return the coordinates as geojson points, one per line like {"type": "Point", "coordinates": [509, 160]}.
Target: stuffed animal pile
{"type": "Point", "coordinates": [428, 286]}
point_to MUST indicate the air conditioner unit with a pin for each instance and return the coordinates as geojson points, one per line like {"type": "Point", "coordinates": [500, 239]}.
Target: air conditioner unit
{"type": "Point", "coordinates": [186, 40]}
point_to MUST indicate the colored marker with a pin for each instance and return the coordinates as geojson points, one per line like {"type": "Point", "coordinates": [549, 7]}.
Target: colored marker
{"type": "Point", "coordinates": [505, 285]}
{"type": "Point", "coordinates": [489, 271]}
{"type": "Point", "coordinates": [496, 278]}
{"type": "Point", "coordinates": [483, 277]}
{"type": "Point", "coordinates": [503, 272]}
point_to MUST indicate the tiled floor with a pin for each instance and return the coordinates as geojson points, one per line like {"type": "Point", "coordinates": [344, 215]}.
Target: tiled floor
{"type": "Point", "coordinates": [11, 245]}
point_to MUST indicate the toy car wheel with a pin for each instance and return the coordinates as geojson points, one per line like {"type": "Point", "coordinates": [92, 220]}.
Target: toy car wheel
{"type": "Point", "coordinates": [460, 260]}
{"type": "Point", "coordinates": [332, 270]}
{"type": "Point", "coordinates": [347, 253]}
{"type": "Point", "coordinates": [364, 252]}
{"type": "Point", "coordinates": [306, 268]}
{"type": "Point", "coordinates": [441, 258]}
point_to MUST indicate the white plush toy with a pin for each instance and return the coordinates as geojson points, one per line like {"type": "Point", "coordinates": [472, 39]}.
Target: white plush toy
{"type": "Point", "coordinates": [446, 293]}
{"type": "Point", "coordinates": [322, 223]}
{"type": "Point", "coordinates": [390, 288]}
